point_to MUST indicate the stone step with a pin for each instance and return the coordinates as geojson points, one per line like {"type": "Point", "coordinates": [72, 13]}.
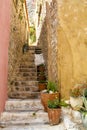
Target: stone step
{"type": "Point", "coordinates": [22, 78]}
{"type": "Point", "coordinates": [25, 74]}
{"type": "Point", "coordinates": [38, 51]}
{"type": "Point", "coordinates": [23, 105]}
{"type": "Point", "coordinates": [32, 48]}
{"type": "Point", "coordinates": [25, 83]}
{"type": "Point", "coordinates": [31, 59]}
{"type": "Point", "coordinates": [24, 88]}
{"type": "Point", "coordinates": [13, 118]}
{"type": "Point", "coordinates": [25, 69]}
{"type": "Point", "coordinates": [29, 65]}
{"type": "Point", "coordinates": [36, 126]}
{"type": "Point", "coordinates": [29, 55]}
{"type": "Point", "coordinates": [24, 95]}
{"type": "Point", "coordinates": [27, 62]}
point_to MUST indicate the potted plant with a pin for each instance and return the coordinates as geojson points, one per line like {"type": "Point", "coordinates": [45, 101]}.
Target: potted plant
{"type": "Point", "coordinates": [41, 76]}
{"type": "Point", "coordinates": [41, 68]}
{"type": "Point", "coordinates": [76, 100]}
{"type": "Point", "coordinates": [50, 93]}
{"type": "Point", "coordinates": [42, 85]}
{"type": "Point", "coordinates": [54, 110]}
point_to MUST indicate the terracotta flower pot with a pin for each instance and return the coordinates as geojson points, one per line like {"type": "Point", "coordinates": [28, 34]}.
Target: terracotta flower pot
{"type": "Point", "coordinates": [41, 68]}
{"type": "Point", "coordinates": [54, 115]}
{"type": "Point", "coordinates": [45, 97]}
{"type": "Point", "coordinates": [41, 77]}
{"type": "Point", "coordinates": [42, 86]}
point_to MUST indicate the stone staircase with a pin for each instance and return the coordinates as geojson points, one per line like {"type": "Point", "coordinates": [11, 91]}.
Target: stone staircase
{"type": "Point", "coordinates": [23, 112]}
{"type": "Point", "coordinates": [28, 114]}
{"type": "Point", "coordinates": [24, 82]}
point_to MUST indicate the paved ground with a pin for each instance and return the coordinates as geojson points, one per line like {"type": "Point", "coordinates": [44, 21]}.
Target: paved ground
{"type": "Point", "coordinates": [61, 126]}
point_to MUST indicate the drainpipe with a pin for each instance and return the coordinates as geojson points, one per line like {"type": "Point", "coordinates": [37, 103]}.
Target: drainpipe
{"type": "Point", "coordinates": [4, 42]}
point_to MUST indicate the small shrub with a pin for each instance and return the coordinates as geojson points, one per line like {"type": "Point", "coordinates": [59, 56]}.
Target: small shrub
{"type": "Point", "coordinates": [51, 86]}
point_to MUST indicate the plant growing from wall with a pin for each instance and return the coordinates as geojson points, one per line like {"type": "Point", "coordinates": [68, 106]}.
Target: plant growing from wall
{"type": "Point", "coordinates": [32, 34]}
{"type": "Point", "coordinates": [22, 1]}
{"type": "Point", "coordinates": [20, 16]}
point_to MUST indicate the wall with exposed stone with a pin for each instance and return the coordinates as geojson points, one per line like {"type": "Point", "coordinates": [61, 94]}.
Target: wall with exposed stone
{"type": "Point", "coordinates": [43, 43]}
{"type": "Point", "coordinates": [52, 24]}
{"type": "Point", "coordinates": [41, 30]}
{"type": "Point", "coordinates": [72, 43]}
{"type": "Point", "coordinates": [19, 30]}
{"type": "Point", "coordinates": [48, 38]}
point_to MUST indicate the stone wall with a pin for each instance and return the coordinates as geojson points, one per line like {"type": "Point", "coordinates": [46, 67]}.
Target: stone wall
{"type": "Point", "coordinates": [18, 33]}
{"type": "Point", "coordinates": [41, 31]}
{"type": "Point", "coordinates": [52, 24]}
{"type": "Point", "coordinates": [72, 43]}
{"type": "Point", "coordinates": [48, 39]}
{"type": "Point", "coordinates": [43, 43]}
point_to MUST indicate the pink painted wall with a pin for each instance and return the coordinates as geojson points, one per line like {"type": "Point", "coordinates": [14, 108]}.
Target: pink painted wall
{"type": "Point", "coordinates": [4, 42]}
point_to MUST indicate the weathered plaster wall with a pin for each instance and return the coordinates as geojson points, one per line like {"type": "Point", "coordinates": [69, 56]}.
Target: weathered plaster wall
{"type": "Point", "coordinates": [72, 43]}
{"type": "Point", "coordinates": [4, 41]}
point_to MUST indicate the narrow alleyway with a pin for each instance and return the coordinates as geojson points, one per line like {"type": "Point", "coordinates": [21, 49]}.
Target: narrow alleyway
{"type": "Point", "coordinates": [23, 110]}
{"type": "Point", "coordinates": [47, 28]}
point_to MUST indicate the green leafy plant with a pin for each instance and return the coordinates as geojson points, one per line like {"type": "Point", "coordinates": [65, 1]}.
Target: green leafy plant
{"type": "Point", "coordinates": [85, 93]}
{"type": "Point", "coordinates": [42, 65]}
{"type": "Point", "coordinates": [51, 86]}
{"type": "Point", "coordinates": [56, 103]}
{"type": "Point", "coordinates": [22, 1]}
{"type": "Point", "coordinates": [78, 90]}
{"type": "Point", "coordinates": [32, 34]}
{"type": "Point", "coordinates": [42, 81]}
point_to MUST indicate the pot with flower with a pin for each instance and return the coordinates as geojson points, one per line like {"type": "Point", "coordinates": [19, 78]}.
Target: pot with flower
{"type": "Point", "coordinates": [41, 68]}
{"type": "Point", "coordinates": [42, 85]}
{"type": "Point", "coordinates": [54, 110]}
{"type": "Point", "coordinates": [76, 100]}
{"type": "Point", "coordinates": [41, 76]}
{"type": "Point", "coordinates": [50, 93]}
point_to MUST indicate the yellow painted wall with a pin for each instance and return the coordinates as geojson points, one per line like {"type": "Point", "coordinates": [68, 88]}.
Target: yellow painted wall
{"type": "Point", "coordinates": [72, 43]}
